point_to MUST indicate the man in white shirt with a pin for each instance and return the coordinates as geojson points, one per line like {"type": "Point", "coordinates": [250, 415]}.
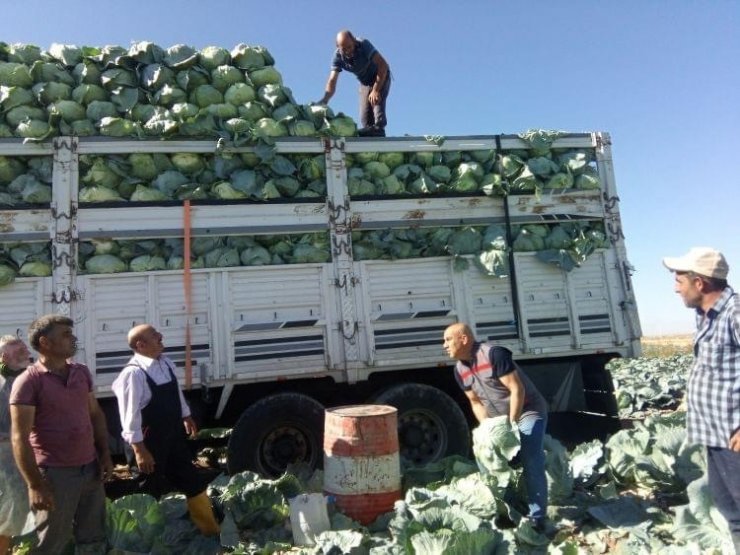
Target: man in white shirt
{"type": "Point", "coordinates": [155, 419]}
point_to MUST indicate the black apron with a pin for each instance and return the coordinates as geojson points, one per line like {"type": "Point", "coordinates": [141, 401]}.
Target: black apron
{"type": "Point", "coordinates": [165, 438]}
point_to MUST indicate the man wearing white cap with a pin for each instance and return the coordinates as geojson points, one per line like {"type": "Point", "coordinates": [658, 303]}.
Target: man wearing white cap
{"type": "Point", "coordinates": [713, 417]}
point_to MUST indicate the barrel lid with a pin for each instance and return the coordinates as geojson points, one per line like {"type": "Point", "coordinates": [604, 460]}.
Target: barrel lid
{"type": "Point", "coordinates": [362, 410]}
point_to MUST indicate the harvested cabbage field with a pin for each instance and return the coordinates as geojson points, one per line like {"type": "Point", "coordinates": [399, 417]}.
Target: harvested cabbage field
{"type": "Point", "coordinates": [641, 491]}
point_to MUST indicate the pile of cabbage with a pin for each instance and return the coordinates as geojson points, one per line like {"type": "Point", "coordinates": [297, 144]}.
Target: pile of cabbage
{"type": "Point", "coordinates": [150, 91]}
{"type": "Point", "coordinates": [475, 171]}
{"type": "Point", "coordinates": [24, 260]}
{"type": "Point", "coordinates": [263, 175]}
{"type": "Point", "coordinates": [108, 256]}
{"type": "Point", "coordinates": [566, 244]}
{"type": "Point", "coordinates": [487, 247]}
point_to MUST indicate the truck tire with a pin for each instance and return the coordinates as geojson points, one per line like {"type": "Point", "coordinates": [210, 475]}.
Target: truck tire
{"type": "Point", "coordinates": [277, 431]}
{"type": "Point", "coordinates": [431, 425]}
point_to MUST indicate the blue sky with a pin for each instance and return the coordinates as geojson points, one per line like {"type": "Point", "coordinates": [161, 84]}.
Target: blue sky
{"type": "Point", "coordinates": [657, 75]}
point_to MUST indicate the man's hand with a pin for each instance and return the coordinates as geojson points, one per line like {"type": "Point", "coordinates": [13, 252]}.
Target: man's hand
{"type": "Point", "coordinates": [106, 468]}
{"type": "Point", "coordinates": [144, 459]}
{"type": "Point", "coordinates": [374, 97]}
{"type": "Point", "coordinates": [191, 428]}
{"type": "Point", "coordinates": [735, 442]}
{"type": "Point", "coordinates": [40, 497]}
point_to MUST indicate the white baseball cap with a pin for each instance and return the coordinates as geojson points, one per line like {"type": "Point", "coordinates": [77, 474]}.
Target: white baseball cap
{"type": "Point", "coordinates": [704, 261]}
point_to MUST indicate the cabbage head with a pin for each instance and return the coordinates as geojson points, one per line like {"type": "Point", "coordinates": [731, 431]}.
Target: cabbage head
{"type": "Point", "coordinates": [98, 194]}
{"type": "Point", "coordinates": [527, 241]}
{"type": "Point", "coordinates": [391, 186]}
{"type": "Point", "coordinates": [47, 93]}
{"type": "Point", "coordinates": [250, 57]}
{"type": "Point", "coordinates": [561, 180]}
{"type": "Point", "coordinates": [268, 127]}
{"type": "Point", "coordinates": [377, 170]}
{"type": "Point", "coordinates": [239, 94]}
{"type": "Point", "coordinates": [33, 129]}
{"type": "Point", "coordinates": [587, 181]}
{"type": "Point", "coordinates": [142, 193]}
{"type": "Point", "coordinates": [205, 95]}
{"type": "Point", "coordinates": [253, 111]}
{"type": "Point", "coordinates": [146, 263]}
{"type": "Point", "coordinates": [19, 114]}
{"type": "Point", "coordinates": [117, 127]}
{"type": "Point", "coordinates": [7, 275]}
{"type": "Point", "coordinates": [10, 168]}
{"type": "Point", "coordinates": [224, 190]}
{"type": "Point", "coordinates": [342, 126]}
{"type": "Point", "coordinates": [225, 76]}
{"type": "Point", "coordinates": [274, 95]}
{"type": "Point", "coordinates": [15, 75]}
{"type": "Point", "coordinates": [302, 128]}
{"type": "Point", "coordinates": [11, 97]}
{"type": "Point", "coordinates": [255, 256]}
{"type": "Point", "coordinates": [36, 193]}
{"type": "Point", "coordinates": [35, 269]}
{"type": "Point", "coordinates": [105, 264]}
{"type": "Point", "coordinates": [213, 56]}
{"type": "Point", "coordinates": [306, 253]}
{"type": "Point", "coordinates": [467, 240]}
{"type": "Point", "coordinates": [187, 163]}
{"type": "Point", "coordinates": [265, 76]}
{"type": "Point", "coordinates": [391, 159]}
{"type": "Point", "coordinates": [99, 109]}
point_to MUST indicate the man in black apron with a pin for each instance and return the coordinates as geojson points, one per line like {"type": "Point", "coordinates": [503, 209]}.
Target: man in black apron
{"type": "Point", "coordinates": [156, 420]}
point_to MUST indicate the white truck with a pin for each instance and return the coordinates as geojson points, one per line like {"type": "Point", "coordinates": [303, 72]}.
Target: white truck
{"type": "Point", "coordinates": [265, 348]}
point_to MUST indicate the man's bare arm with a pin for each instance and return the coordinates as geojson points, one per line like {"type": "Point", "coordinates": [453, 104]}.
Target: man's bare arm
{"type": "Point", "coordinates": [39, 494]}
{"type": "Point", "coordinates": [331, 87]}
{"type": "Point", "coordinates": [479, 410]}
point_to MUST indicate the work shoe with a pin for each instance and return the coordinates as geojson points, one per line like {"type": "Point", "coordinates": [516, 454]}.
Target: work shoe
{"type": "Point", "coordinates": [371, 131]}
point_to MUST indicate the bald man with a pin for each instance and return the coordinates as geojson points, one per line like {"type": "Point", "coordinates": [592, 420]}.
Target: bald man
{"type": "Point", "coordinates": [496, 386]}
{"type": "Point", "coordinates": [359, 56]}
{"type": "Point", "coordinates": [155, 419]}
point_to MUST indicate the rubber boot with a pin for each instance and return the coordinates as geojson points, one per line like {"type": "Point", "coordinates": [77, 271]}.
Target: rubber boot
{"type": "Point", "coordinates": [201, 514]}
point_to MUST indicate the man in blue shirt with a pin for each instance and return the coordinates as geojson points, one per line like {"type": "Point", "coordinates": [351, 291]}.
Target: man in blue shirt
{"type": "Point", "coordinates": [360, 57]}
{"type": "Point", "coordinates": [713, 388]}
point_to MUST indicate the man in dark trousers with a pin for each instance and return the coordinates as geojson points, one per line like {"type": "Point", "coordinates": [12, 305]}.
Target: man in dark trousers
{"type": "Point", "coordinates": [155, 419]}
{"type": "Point", "coordinates": [359, 56]}
{"type": "Point", "coordinates": [713, 387]}
{"type": "Point", "coordinates": [496, 386]}
{"type": "Point", "coordinates": [60, 442]}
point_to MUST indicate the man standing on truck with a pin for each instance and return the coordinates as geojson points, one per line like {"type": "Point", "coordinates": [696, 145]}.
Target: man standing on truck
{"type": "Point", "coordinates": [713, 387]}
{"type": "Point", "coordinates": [14, 358]}
{"type": "Point", "coordinates": [60, 441]}
{"type": "Point", "coordinates": [359, 56]}
{"type": "Point", "coordinates": [496, 386]}
{"type": "Point", "coordinates": [155, 419]}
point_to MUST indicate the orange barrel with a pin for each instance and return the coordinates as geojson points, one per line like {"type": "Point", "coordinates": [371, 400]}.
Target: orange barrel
{"type": "Point", "coordinates": [362, 469]}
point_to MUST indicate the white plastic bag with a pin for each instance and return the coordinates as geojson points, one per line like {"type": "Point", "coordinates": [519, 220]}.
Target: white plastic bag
{"type": "Point", "coordinates": [308, 517]}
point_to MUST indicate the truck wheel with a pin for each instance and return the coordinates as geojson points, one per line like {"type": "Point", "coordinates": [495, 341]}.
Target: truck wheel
{"type": "Point", "coordinates": [430, 424]}
{"type": "Point", "coordinates": [277, 431]}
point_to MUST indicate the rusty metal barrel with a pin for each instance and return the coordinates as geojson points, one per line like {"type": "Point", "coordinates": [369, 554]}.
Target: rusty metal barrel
{"type": "Point", "coordinates": [362, 469]}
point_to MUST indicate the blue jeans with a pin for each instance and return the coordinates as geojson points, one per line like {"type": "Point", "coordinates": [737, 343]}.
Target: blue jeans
{"type": "Point", "coordinates": [532, 432]}
{"type": "Point", "coordinates": [723, 468]}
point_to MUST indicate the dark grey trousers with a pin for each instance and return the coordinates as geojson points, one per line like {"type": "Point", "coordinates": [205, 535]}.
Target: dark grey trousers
{"type": "Point", "coordinates": [79, 512]}
{"type": "Point", "coordinates": [374, 116]}
{"type": "Point", "coordinates": [723, 469]}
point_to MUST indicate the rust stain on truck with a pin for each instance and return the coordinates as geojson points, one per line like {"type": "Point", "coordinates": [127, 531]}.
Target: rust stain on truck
{"type": "Point", "coordinates": [415, 215]}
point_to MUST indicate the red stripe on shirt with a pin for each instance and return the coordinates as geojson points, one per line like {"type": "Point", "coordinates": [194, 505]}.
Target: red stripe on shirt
{"type": "Point", "coordinates": [475, 370]}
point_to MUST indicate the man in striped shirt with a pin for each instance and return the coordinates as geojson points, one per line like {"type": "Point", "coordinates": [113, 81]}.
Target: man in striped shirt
{"type": "Point", "coordinates": [713, 395]}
